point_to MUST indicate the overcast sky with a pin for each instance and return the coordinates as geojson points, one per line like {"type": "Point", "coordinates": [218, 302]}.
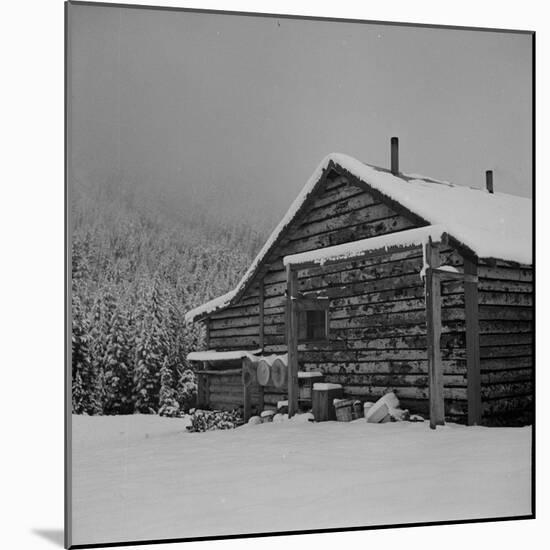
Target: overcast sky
{"type": "Point", "coordinates": [235, 112]}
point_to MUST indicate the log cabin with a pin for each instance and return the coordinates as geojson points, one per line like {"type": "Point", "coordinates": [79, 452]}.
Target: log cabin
{"type": "Point", "coordinates": [384, 281]}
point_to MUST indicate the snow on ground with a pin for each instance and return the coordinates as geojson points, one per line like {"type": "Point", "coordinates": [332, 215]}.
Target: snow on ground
{"type": "Point", "coordinates": [144, 477]}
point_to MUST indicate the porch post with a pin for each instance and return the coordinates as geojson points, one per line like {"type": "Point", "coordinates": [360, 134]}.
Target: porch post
{"type": "Point", "coordinates": [433, 322]}
{"type": "Point", "coordinates": [292, 339]}
{"type": "Point", "coordinates": [247, 390]}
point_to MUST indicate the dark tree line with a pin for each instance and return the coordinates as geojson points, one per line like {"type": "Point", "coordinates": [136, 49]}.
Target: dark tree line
{"type": "Point", "coordinates": [134, 275]}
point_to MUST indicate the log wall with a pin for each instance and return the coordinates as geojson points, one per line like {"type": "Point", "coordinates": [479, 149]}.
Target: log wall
{"type": "Point", "coordinates": [506, 343]}
{"type": "Point", "coordinates": [377, 329]}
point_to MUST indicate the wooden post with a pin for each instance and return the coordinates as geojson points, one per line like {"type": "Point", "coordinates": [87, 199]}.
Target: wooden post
{"type": "Point", "coordinates": [207, 333]}
{"type": "Point", "coordinates": [472, 343]}
{"type": "Point", "coordinates": [433, 322]}
{"type": "Point", "coordinates": [261, 398]}
{"type": "Point", "coordinates": [247, 389]}
{"type": "Point", "coordinates": [292, 339]}
{"type": "Point", "coordinates": [261, 314]}
{"type": "Point", "coordinates": [202, 387]}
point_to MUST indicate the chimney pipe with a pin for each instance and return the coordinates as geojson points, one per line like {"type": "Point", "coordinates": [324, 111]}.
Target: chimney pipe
{"type": "Point", "coordinates": [394, 155]}
{"type": "Point", "coordinates": [489, 180]}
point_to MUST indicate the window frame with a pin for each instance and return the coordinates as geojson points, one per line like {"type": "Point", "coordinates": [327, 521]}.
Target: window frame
{"type": "Point", "coordinates": [303, 306]}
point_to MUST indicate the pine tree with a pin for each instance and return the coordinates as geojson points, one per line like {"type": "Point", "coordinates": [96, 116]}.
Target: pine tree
{"type": "Point", "coordinates": [168, 403]}
{"type": "Point", "coordinates": [151, 349]}
{"type": "Point", "coordinates": [118, 364]}
{"type": "Point", "coordinates": [85, 397]}
{"type": "Point", "coordinates": [187, 389]}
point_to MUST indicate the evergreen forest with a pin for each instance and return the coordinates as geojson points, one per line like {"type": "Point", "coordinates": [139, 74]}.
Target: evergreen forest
{"type": "Point", "coordinates": [139, 263]}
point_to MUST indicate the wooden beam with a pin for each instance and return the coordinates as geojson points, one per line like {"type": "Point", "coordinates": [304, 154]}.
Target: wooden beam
{"type": "Point", "coordinates": [311, 304]}
{"type": "Point", "coordinates": [203, 385]}
{"type": "Point", "coordinates": [471, 306]}
{"type": "Point", "coordinates": [292, 339]}
{"type": "Point", "coordinates": [433, 322]}
{"type": "Point", "coordinates": [261, 398]}
{"type": "Point", "coordinates": [226, 372]}
{"type": "Point", "coordinates": [383, 251]}
{"type": "Point", "coordinates": [247, 402]}
{"type": "Point", "coordinates": [261, 313]}
{"type": "Point", "coordinates": [457, 274]}
{"type": "Point", "coordinates": [207, 333]}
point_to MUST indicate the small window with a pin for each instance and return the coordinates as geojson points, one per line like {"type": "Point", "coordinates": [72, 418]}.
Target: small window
{"type": "Point", "coordinates": [312, 325]}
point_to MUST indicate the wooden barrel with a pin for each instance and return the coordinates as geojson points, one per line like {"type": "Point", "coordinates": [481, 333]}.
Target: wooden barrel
{"type": "Point", "coordinates": [263, 372]}
{"type": "Point", "coordinates": [279, 371]}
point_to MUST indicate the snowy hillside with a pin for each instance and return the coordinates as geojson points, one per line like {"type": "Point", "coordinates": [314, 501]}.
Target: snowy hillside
{"type": "Point", "coordinates": [144, 477]}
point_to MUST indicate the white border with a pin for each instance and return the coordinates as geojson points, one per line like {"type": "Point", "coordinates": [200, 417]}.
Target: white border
{"type": "Point", "coordinates": [32, 268]}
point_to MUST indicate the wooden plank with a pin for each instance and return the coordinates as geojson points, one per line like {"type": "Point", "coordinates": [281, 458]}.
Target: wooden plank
{"type": "Point", "coordinates": [508, 389]}
{"type": "Point", "coordinates": [233, 373]}
{"type": "Point", "coordinates": [207, 333]}
{"type": "Point", "coordinates": [202, 382]}
{"type": "Point", "coordinates": [292, 341]}
{"type": "Point", "coordinates": [261, 314]}
{"type": "Point", "coordinates": [347, 234]}
{"type": "Point", "coordinates": [234, 322]}
{"type": "Point", "coordinates": [471, 298]}
{"type": "Point", "coordinates": [261, 398]}
{"type": "Point", "coordinates": [405, 393]}
{"type": "Point", "coordinates": [335, 196]}
{"type": "Point", "coordinates": [373, 213]}
{"type": "Point", "coordinates": [433, 324]}
{"type": "Point", "coordinates": [353, 203]}
{"type": "Point", "coordinates": [237, 310]}
{"type": "Point", "coordinates": [363, 263]}
{"type": "Point", "coordinates": [501, 377]}
{"type": "Point", "coordinates": [236, 400]}
{"type": "Point", "coordinates": [235, 342]}
{"type": "Point", "coordinates": [393, 380]}
{"type": "Point", "coordinates": [236, 331]}
{"type": "Point", "coordinates": [500, 405]}
{"type": "Point", "coordinates": [311, 304]}
{"type": "Point", "coordinates": [334, 180]}
{"type": "Point", "coordinates": [506, 273]}
{"type": "Point", "coordinates": [506, 351]}
{"type": "Point", "coordinates": [489, 313]}
{"type": "Point", "coordinates": [504, 326]}
{"type": "Point", "coordinates": [450, 367]}
{"type": "Point", "coordinates": [399, 318]}
{"type": "Point", "coordinates": [506, 298]}
{"type": "Point", "coordinates": [506, 340]}
{"type": "Point", "coordinates": [504, 286]}
{"type": "Point", "coordinates": [505, 363]}
{"type": "Point", "coordinates": [367, 339]}
{"type": "Point", "coordinates": [247, 402]}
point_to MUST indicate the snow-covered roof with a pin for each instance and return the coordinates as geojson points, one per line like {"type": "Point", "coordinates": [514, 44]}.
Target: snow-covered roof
{"type": "Point", "coordinates": [397, 240]}
{"type": "Point", "coordinates": [491, 225]}
{"type": "Point", "coordinates": [213, 355]}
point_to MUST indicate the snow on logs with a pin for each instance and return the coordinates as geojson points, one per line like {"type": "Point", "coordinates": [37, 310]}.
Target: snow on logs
{"type": "Point", "coordinates": [400, 240]}
{"type": "Point", "coordinates": [387, 409]}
